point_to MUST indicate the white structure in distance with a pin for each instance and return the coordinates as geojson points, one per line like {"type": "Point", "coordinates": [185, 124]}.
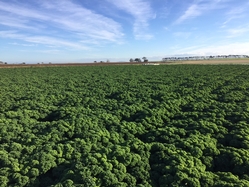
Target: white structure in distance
{"type": "Point", "coordinates": [204, 57]}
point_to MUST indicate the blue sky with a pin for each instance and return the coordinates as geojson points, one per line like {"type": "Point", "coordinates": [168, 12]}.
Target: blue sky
{"type": "Point", "coordinates": [34, 31]}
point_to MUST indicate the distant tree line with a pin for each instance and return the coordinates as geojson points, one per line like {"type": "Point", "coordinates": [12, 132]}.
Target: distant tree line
{"type": "Point", "coordinates": [1, 62]}
{"type": "Point", "coordinates": [139, 60]}
{"type": "Point", "coordinates": [205, 57]}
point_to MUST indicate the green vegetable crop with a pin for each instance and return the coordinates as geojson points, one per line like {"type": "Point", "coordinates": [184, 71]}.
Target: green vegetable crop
{"type": "Point", "coordinates": [124, 126]}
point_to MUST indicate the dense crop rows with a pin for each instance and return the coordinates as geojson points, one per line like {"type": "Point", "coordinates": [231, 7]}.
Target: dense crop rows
{"type": "Point", "coordinates": [122, 126]}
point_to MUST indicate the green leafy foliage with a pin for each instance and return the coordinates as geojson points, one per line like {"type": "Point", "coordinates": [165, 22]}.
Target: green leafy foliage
{"type": "Point", "coordinates": [182, 125]}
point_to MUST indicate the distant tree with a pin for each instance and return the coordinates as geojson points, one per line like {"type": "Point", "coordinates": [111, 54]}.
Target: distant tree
{"type": "Point", "coordinates": [137, 60]}
{"type": "Point", "coordinates": [131, 60]}
{"type": "Point", "coordinates": [145, 59]}
{"type": "Point", "coordinates": [107, 61]}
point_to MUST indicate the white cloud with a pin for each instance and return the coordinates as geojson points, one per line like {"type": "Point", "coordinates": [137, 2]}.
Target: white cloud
{"type": "Point", "coordinates": [15, 22]}
{"type": "Point", "coordinates": [191, 12]}
{"type": "Point", "coordinates": [49, 41]}
{"type": "Point", "coordinates": [22, 44]}
{"type": "Point", "coordinates": [142, 13]}
{"type": "Point", "coordinates": [144, 36]}
{"type": "Point", "coordinates": [219, 49]}
{"type": "Point", "coordinates": [84, 21]}
{"type": "Point", "coordinates": [17, 9]}
{"type": "Point", "coordinates": [63, 16]}
{"type": "Point", "coordinates": [198, 8]}
{"type": "Point", "coordinates": [52, 51]}
{"type": "Point", "coordinates": [184, 35]}
{"type": "Point", "coordinates": [240, 11]}
{"type": "Point", "coordinates": [235, 32]}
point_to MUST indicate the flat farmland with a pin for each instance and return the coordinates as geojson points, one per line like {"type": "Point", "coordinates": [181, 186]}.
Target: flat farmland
{"type": "Point", "coordinates": [126, 125]}
{"type": "Point", "coordinates": [203, 62]}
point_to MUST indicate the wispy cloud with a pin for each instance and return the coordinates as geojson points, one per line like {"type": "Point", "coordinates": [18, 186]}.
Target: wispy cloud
{"type": "Point", "coordinates": [62, 16]}
{"type": "Point", "coordinates": [191, 12]}
{"type": "Point", "coordinates": [51, 51]}
{"type": "Point", "coordinates": [237, 12]}
{"type": "Point", "coordinates": [235, 32]}
{"type": "Point", "coordinates": [142, 13]}
{"type": "Point", "coordinates": [22, 44]}
{"type": "Point", "coordinates": [84, 21]}
{"type": "Point", "coordinates": [15, 22]}
{"type": "Point", "coordinates": [49, 41]}
{"type": "Point", "coordinates": [198, 8]}
{"type": "Point", "coordinates": [17, 9]}
{"type": "Point", "coordinates": [217, 49]}
{"type": "Point", "coordinates": [184, 35]}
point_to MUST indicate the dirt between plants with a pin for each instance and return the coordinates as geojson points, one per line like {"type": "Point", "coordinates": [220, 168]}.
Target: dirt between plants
{"type": "Point", "coordinates": [203, 62]}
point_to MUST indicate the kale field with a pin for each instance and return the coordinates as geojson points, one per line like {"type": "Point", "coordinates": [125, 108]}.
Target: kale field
{"type": "Point", "coordinates": [125, 126]}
